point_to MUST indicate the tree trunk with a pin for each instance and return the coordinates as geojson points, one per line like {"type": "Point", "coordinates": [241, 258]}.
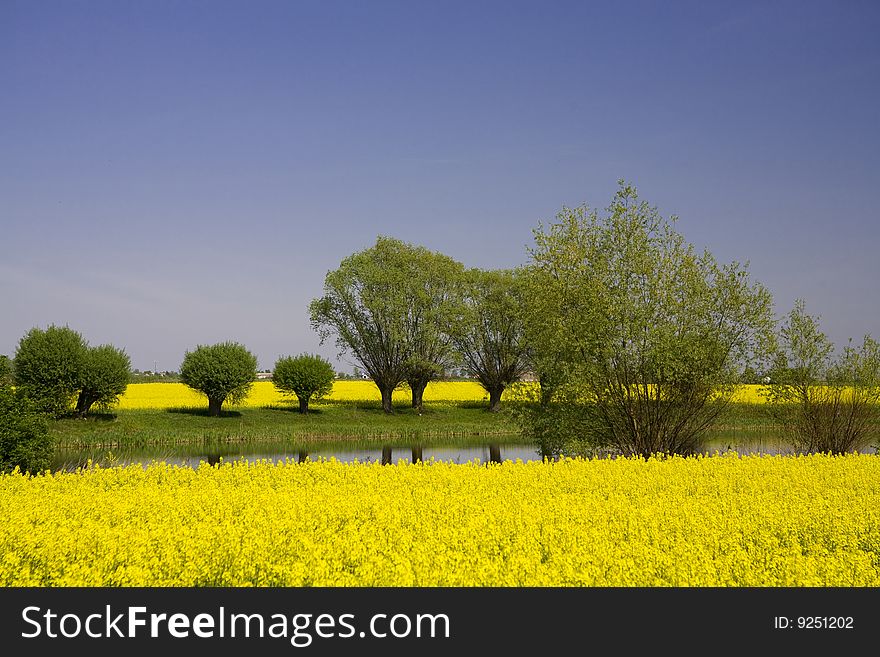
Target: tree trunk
{"type": "Point", "coordinates": [416, 453]}
{"type": "Point", "coordinates": [214, 405]}
{"type": "Point", "coordinates": [84, 403]}
{"type": "Point", "coordinates": [494, 453]}
{"type": "Point", "coordinates": [495, 398]}
{"type": "Point", "coordinates": [303, 404]}
{"type": "Point", "coordinates": [386, 399]}
{"type": "Point", "coordinates": [418, 390]}
{"type": "Point", "coordinates": [386, 455]}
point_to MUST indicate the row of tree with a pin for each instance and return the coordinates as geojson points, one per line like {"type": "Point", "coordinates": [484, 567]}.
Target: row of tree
{"type": "Point", "coordinates": [410, 315]}
{"type": "Point", "coordinates": [59, 373]}
{"type": "Point", "coordinates": [636, 339]}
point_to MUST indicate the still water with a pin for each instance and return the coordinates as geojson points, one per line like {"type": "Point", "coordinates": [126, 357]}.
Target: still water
{"type": "Point", "coordinates": [476, 449]}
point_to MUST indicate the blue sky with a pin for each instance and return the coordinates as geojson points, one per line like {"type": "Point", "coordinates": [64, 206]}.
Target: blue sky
{"type": "Point", "coordinates": [181, 173]}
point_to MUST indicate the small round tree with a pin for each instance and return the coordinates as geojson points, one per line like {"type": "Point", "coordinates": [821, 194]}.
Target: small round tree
{"type": "Point", "coordinates": [307, 376]}
{"type": "Point", "coordinates": [103, 378]}
{"type": "Point", "coordinates": [48, 365]}
{"type": "Point", "coordinates": [24, 437]}
{"type": "Point", "coordinates": [223, 372]}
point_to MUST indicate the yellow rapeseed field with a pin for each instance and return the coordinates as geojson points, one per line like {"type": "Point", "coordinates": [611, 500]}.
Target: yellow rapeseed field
{"type": "Point", "coordinates": [264, 393]}
{"type": "Point", "coordinates": [711, 521]}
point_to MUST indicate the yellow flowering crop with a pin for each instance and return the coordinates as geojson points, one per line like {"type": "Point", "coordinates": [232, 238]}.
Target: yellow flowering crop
{"type": "Point", "coordinates": [710, 521]}
{"type": "Point", "coordinates": [264, 393]}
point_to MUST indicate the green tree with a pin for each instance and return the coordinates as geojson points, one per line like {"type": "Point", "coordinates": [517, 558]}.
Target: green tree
{"type": "Point", "coordinates": [824, 402]}
{"type": "Point", "coordinates": [489, 333]}
{"type": "Point", "coordinates": [5, 371]}
{"type": "Point", "coordinates": [649, 334]}
{"type": "Point", "coordinates": [223, 372]}
{"type": "Point", "coordinates": [435, 295]}
{"type": "Point", "coordinates": [48, 367]}
{"type": "Point", "coordinates": [104, 376]}
{"type": "Point", "coordinates": [307, 376]}
{"type": "Point", "coordinates": [24, 436]}
{"type": "Point", "coordinates": [387, 306]}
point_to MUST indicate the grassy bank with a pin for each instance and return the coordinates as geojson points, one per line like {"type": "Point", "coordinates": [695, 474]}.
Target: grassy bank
{"type": "Point", "coordinates": [330, 421]}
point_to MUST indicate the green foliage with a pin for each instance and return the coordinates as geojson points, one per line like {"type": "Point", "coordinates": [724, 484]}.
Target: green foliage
{"type": "Point", "coordinates": [435, 290]}
{"type": "Point", "coordinates": [622, 314]}
{"type": "Point", "coordinates": [223, 372]}
{"type": "Point", "coordinates": [48, 367]}
{"type": "Point", "coordinates": [307, 376]}
{"type": "Point", "coordinates": [104, 376]}
{"type": "Point", "coordinates": [5, 371]}
{"type": "Point", "coordinates": [389, 306]}
{"type": "Point", "coordinates": [825, 403]}
{"type": "Point", "coordinates": [557, 427]}
{"type": "Point", "coordinates": [24, 437]}
{"type": "Point", "coordinates": [489, 332]}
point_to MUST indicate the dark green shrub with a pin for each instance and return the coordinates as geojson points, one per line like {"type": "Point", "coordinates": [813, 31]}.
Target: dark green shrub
{"type": "Point", "coordinates": [223, 372]}
{"type": "Point", "coordinates": [307, 376]}
{"type": "Point", "coordinates": [24, 436]}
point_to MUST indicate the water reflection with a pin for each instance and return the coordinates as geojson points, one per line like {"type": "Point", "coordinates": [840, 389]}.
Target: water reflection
{"type": "Point", "coordinates": [464, 451]}
{"type": "Point", "coordinates": [384, 454]}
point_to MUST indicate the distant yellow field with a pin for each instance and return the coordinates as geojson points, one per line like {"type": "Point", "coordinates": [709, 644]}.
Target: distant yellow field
{"type": "Point", "coordinates": [264, 393]}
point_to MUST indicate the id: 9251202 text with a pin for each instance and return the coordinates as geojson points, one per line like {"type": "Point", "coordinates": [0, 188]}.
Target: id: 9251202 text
{"type": "Point", "coordinates": [813, 623]}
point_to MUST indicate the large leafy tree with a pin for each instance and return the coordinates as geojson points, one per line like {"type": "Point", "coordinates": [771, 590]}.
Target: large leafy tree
{"type": "Point", "coordinates": [825, 402]}
{"type": "Point", "coordinates": [649, 334]}
{"type": "Point", "coordinates": [435, 296]}
{"type": "Point", "coordinates": [489, 333]}
{"type": "Point", "coordinates": [48, 367]}
{"type": "Point", "coordinates": [387, 306]}
{"type": "Point", "coordinates": [223, 372]}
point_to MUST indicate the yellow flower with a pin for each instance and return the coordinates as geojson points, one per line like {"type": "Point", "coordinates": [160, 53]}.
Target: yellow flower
{"type": "Point", "coordinates": [706, 521]}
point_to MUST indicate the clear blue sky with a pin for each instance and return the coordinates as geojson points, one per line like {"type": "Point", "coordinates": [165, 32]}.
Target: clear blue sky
{"type": "Point", "coordinates": [181, 173]}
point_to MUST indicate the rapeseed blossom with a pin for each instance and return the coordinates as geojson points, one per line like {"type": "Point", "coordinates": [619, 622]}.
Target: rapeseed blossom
{"type": "Point", "coordinates": [704, 521]}
{"type": "Point", "coordinates": [264, 393]}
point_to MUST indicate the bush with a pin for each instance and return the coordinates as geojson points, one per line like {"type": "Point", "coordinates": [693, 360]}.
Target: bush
{"type": "Point", "coordinates": [307, 376]}
{"type": "Point", "coordinates": [24, 436]}
{"type": "Point", "coordinates": [48, 367]}
{"type": "Point", "coordinates": [825, 403]}
{"type": "Point", "coordinates": [104, 376]}
{"type": "Point", "coordinates": [555, 423]}
{"type": "Point", "coordinates": [223, 372]}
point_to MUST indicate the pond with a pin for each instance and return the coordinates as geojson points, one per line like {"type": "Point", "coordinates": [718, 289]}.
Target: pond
{"type": "Point", "coordinates": [476, 448]}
